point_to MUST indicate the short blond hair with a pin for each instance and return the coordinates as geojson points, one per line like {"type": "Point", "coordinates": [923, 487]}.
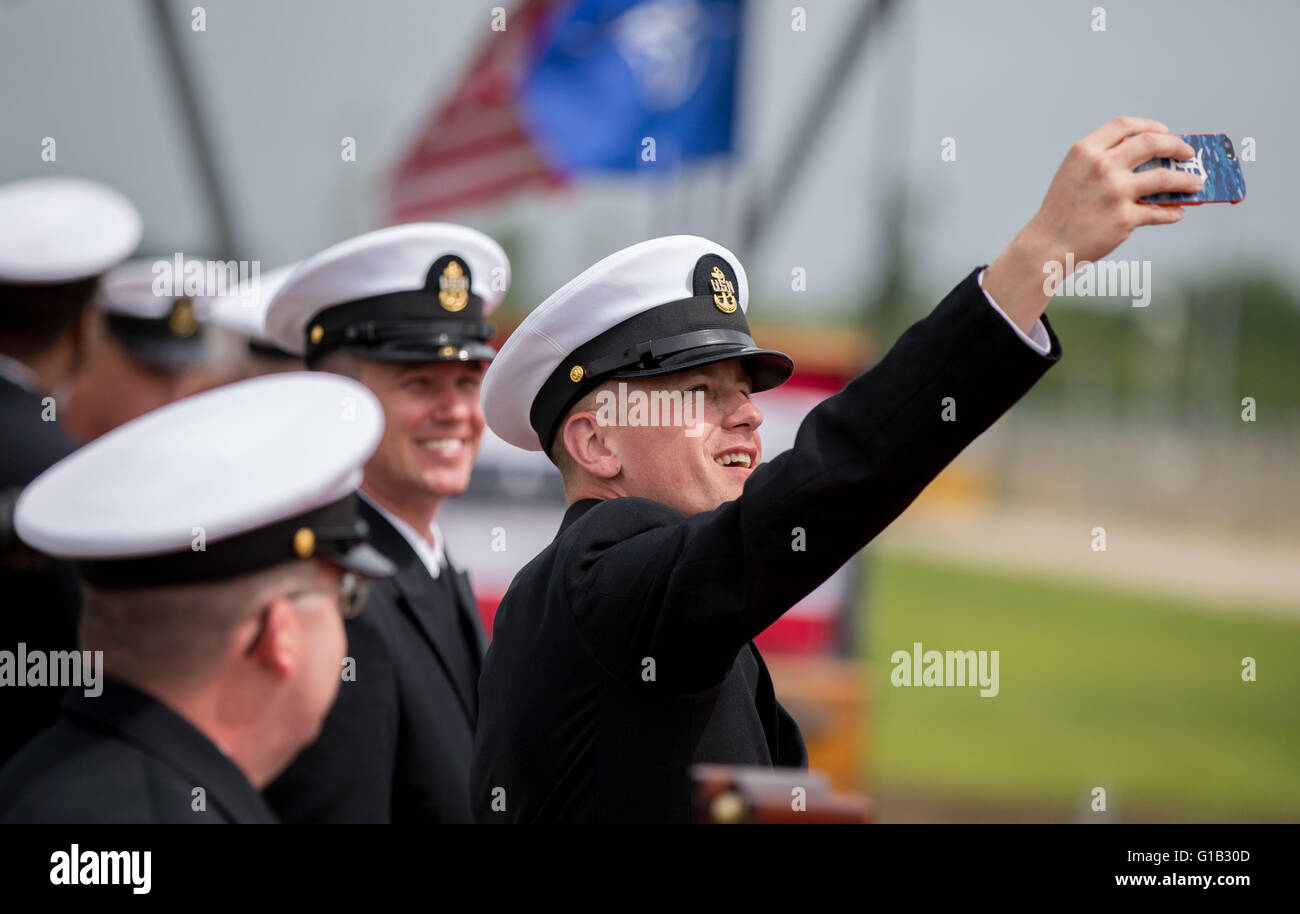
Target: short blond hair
{"type": "Point", "coordinates": [177, 634]}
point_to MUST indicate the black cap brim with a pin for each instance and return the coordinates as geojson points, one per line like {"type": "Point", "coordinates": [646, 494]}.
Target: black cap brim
{"type": "Point", "coordinates": [333, 533]}
{"type": "Point", "coordinates": [767, 368]}
{"type": "Point", "coordinates": [440, 351]}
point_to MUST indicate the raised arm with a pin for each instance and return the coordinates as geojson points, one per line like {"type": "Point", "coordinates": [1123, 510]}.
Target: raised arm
{"type": "Point", "coordinates": [703, 586]}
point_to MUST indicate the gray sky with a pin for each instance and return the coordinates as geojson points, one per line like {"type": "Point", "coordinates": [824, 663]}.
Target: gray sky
{"type": "Point", "coordinates": [1014, 83]}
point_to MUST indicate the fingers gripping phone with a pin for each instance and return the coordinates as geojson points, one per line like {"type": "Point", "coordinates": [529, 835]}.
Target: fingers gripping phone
{"type": "Point", "coordinates": [1215, 160]}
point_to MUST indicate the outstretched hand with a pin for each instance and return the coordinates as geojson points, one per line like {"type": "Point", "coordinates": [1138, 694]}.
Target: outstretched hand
{"type": "Point", "coordinates": [1091, 207]}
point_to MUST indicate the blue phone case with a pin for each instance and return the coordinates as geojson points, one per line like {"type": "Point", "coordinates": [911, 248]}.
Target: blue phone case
{"type": "Point", "coordinates": [1216, 160]}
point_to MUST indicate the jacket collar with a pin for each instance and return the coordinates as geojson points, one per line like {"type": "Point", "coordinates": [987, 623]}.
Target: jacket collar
{"type": "Point", "coordinates": [576, 510]}
{"type": "Point", "coordinates": [421, 597]}
{"type": "Point", "coordinates": [166, 736]}
{"type": "Point", "coordinates": [434, 557]}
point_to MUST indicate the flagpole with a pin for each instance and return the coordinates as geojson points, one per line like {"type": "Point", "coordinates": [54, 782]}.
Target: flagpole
{"type": "Point", "coordinates": [802, 140]}
{"type": "Point", "coordinates": [200, 142]}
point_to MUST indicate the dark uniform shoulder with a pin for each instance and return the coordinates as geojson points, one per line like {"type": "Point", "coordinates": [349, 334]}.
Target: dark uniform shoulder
{"type": "Point", "coordinates": [600, 530]}
{"type": "Point", "coordinates": [69, 776]}
{"type": "Point", "coordinates": [622, 517]}
{"type": "Point", "coordinates": [37, 444]}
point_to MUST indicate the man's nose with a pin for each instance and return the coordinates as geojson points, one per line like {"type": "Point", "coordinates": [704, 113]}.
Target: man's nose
{"type": "Point", "coordinates": [450, 405]}
{"type": "Point", "coordinates": [746, 413]}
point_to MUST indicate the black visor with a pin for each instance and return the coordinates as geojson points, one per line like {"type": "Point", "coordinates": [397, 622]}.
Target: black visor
{"type": "Point", "coordinates": [335, 533]}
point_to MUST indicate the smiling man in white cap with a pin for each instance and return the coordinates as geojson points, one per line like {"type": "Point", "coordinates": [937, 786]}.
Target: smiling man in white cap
{"type": "Point", "coordinates": [623, 654]}
{"type": "Point", "coordinates": [57, 235]}
{"type": "Point", "coordinates": [402, 310]}
{"type": "Point", "coordinates": [145, 357]}
{"type": "Point", "coordinates": [220, 543]}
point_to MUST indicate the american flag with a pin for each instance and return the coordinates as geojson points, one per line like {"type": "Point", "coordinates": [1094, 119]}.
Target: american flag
{"type": "Point", "coordinates": [474, 148]}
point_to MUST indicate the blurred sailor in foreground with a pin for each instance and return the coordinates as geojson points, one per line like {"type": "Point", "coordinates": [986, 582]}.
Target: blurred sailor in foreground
{"type": "Point", "coordinates": [623, 654]}
{"type": "Point", "coordinates": [402, 310]}
{"type": "Point", "coordinates": [220, 544]}
{"type": "Point", "coordinates": [145, 357]}
{"type": "Point", "coordinates": [56, 236]}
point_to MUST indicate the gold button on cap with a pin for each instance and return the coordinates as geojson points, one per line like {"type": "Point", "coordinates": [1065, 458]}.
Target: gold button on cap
{"type": "Point", "coordinates": [304, 543]}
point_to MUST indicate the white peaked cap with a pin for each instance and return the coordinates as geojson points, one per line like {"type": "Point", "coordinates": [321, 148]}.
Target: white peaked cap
{"type": "Point", "coordinates": [55, 230]}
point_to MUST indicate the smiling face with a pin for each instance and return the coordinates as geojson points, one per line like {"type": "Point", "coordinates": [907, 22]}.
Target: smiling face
{"type": "Point", "coordinates": [690, 472]}
{"type": "Point", "coordinates": [432, 428]}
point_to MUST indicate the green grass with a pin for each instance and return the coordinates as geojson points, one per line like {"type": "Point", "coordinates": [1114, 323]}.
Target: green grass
{"type": "Point", "coordinates": [1098, 688]}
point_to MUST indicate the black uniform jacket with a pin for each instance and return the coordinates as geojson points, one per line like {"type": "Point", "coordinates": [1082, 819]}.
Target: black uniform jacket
{"type": "Point", "coordinates": [397, 744]}
{"type": "Point", "coordinates": [125, 757]}
{"type": "Point", "coordinates": [622, 654]}
{"type": "Point", "coordinates": [39, 596]}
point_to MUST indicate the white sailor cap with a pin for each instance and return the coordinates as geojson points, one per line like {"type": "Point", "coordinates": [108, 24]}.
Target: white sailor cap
{"type": "Point", "coordinates": [261, 472]}
{"type": "Point", "coordinates": [242, 310]}
{"type": "Point", "coordinates": [416, 292]}
{"type": "Point", "coordinates": [654, 308]}
{"type": "Point", "coordinates": [150, 317]}
{"type": "Point", "coordinates": [56, 230]}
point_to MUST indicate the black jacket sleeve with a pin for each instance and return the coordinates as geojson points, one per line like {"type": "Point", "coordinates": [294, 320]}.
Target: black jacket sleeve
{"type": "Point", "coordinates": [646, 582]}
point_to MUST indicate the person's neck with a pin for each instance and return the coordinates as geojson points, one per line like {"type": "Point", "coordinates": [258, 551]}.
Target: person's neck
{"type": "Point", "coordinates": [591, 487]}
{"type": "Point", "coordinates": [418, 511]}
{"type": "Point", "coordinates": [258, 759]}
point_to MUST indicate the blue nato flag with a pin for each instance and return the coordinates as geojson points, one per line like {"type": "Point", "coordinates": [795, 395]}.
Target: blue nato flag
{"type": "Point", "coordinates": [628, 85]}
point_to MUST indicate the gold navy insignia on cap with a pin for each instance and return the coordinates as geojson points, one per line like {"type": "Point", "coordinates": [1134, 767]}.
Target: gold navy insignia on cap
{"type": "Point", "coordinates": [453, 287]}
{"type": "Point", "coordinates": [181, 318]}
{"type": "Point", "coordinates": [724, 293]}
{"type": "Point", "coordinates": [161, 328]}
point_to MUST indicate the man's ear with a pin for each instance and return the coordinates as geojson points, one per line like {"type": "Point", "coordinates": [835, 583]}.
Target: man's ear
{"type": "Point", "coordinates": [278, 648]}
{"type": "Point", "coordinates": [590, 446]}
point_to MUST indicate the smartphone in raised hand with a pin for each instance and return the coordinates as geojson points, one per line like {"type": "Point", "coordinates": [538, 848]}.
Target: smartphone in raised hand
{"type": "Point", "coordinates": [1215, 160]}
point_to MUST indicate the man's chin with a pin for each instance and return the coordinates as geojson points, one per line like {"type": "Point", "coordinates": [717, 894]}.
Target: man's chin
{"type": "Point", "coordinates": [706, 502]}
{"type": "Point", "coordinates": [731, 487]}
{"type": "Point", "coordinates": [445, 483]}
